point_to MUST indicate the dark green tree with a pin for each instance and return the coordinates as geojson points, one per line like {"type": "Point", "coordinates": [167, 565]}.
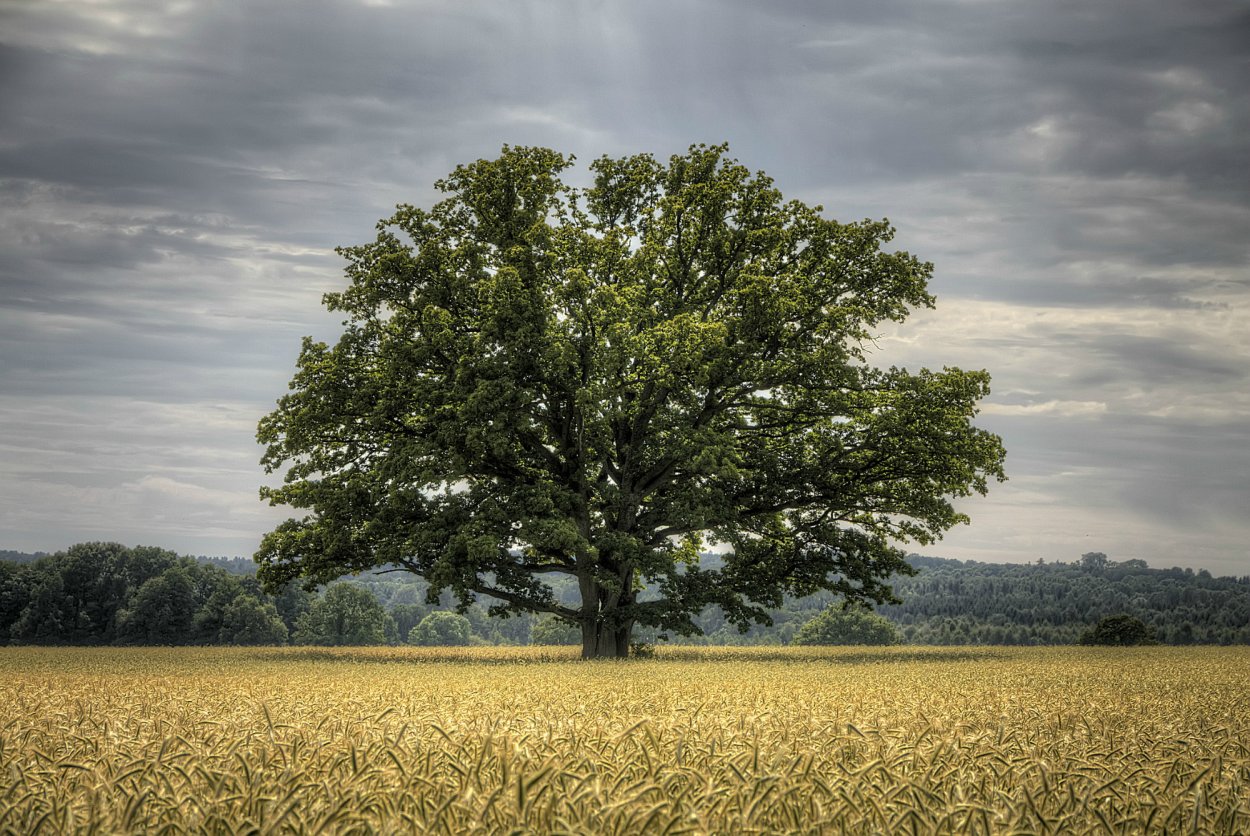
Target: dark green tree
{"type": "Point", "coordinates": [162, 612]}
{"type": "Point", "coordinates": [1094, 561]}
{"type": "Point", "coordinates": [1120, 630]}
{"type": "Point", "coordinates": [42, 619]}
{"type": "Point", "coordinates": [96, 587]}
{"type": "Point", "coordinates": [346, 615]}
{"type": "Point", "coordinates": [216, 589]}
{"type": "Point", "coordinates": [849, 625]}
{"type": "Point", "coordinates": [539, 381]}
{"type": "Point", "coordinates": [15, 591]}
{"type": "Point", "coordinates": [292, 601]}
{"type": "Point", "coordinates": [247, 620]}
{"type": "Point", "coordinates": [407, 616]}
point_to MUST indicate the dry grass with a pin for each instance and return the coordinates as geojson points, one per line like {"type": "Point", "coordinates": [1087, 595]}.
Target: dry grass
{"type": "Point", "coordinates": [897, 740]}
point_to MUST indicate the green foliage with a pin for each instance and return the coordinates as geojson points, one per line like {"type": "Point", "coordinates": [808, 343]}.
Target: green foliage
{"type": "Point", "coordinates": [292, 602]}
{"type": "Point", "coordinates": [407, 616]}
{"type": "Point", "coordinates": [9, 556]}
{"type": "Point", "coordinates": [539, 381]}
{"type": "Point", "coordinates": [98, 593]}
{"type": "Point", "coordinates": [43, 618]}
{"type": "Point", "coordinates": [947, 602]}
{"type": "Point", "coordinates": [847, 625]}
{"type": "Point", "coordinates": [1094, 561]}
{"type": "Point", "coordinates": [346, 615]}
{"type": "Point", "coordinates": [217, 590]}
{"type": "Point", "coordinates": [162, 612]}
{"type": "Point", "coordinates": [642, 650]}
{"type": "Point", "coordinates": [1121, 630]}
{"type": "Point", "coordinates": [75, 596]}
{"type": "Point", "coordinates": [551, 630]}
{"type": "Point", "coordinates": [441, 629]}
{"type": "Point", "coordinates": [14, 596]}
{"type": "Point", "coordinates": [251, 622]}
{"type": "Point", "coordinates": [966, 602]}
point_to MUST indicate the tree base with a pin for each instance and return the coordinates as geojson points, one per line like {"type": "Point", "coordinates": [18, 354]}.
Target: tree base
{"type": "Point", "coordinates": [602, 643]}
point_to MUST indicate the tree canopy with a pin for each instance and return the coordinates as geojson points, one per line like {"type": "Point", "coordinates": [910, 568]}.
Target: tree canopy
{"type": "Point", "coordinates": [538, 380]}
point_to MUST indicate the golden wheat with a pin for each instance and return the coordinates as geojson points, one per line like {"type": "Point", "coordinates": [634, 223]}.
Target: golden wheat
{"type": "Point", "coordinates": [898, 740]}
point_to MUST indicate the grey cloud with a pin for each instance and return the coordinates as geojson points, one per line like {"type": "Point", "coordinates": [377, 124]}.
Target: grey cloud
{"type": "Point", "coordinates": [178, 363]}
{"type": "Point", "coordinates": [957, 84]}
{"type": "Point", "coordinates": [1149, 469]}
{"type": "Point", "coordinates": [1115, 291]}
{"type": "Point", "coordinates": [1149, 362]}
{"type": "Point", "coordinates": [1127, 369]}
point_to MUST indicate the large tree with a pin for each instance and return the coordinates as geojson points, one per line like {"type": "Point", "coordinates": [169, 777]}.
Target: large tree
{"type": "Point", "coordinates": [536, 380]}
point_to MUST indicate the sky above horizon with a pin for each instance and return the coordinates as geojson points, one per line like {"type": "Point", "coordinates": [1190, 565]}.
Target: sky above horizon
{"type": "Point", "coordinates": [174, 177]}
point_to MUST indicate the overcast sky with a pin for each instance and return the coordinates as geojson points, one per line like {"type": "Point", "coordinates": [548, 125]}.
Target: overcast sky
{"type": "Point", "coordinates": [175, 175]}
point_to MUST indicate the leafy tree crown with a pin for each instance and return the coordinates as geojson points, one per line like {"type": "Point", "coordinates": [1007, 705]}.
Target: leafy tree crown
{"type": "Point", "coordinates": [602, 382]}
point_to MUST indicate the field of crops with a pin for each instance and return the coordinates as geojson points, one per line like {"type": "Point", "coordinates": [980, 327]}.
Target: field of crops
{"type": "Point", "coordinates": [897, 740]}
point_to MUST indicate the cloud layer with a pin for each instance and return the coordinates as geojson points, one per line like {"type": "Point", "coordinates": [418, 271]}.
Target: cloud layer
{"type": "Point", "coordinates": [174, 176]}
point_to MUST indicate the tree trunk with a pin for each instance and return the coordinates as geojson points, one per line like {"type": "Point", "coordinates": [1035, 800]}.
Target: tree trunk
{"type": "Point", "coordinates": [602, 641]}
{"type": "Point", "coordinates": [622, 638]}
{"type": "Point", "coordinates": [605, 635]}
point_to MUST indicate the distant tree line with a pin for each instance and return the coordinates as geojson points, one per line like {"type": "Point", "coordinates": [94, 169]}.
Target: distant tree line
{"type": "Point", "coordinates": [109, 594]}
{"type": "Point", "coordinates": [967, 602]}
{"type": "Point", "coordinates": [106, 593]}
{"type": "Point", "coordinates": [10, 556]}
{"type": "Point", "coordinates": [949, 602]}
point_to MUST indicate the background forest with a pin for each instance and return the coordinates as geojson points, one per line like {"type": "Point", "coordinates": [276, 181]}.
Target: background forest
{"type": "Point", "coordinates": [106, 593]}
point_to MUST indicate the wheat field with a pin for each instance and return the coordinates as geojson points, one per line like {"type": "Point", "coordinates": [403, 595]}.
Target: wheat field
{"type": "Point", "coordinates": [896, 740]}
